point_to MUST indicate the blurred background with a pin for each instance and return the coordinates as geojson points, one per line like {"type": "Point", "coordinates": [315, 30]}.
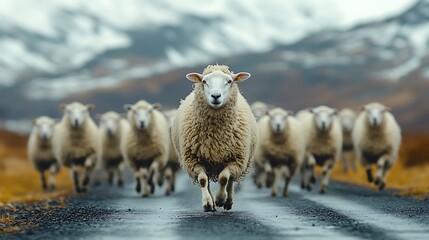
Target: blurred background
{"type": "Point", "coordinates": [301, 53]}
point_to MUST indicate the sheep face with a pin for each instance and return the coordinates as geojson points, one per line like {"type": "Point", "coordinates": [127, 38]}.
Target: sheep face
{"type": "Point", "coordinates": [170, 115]}
{"type": "Point", "coordinates": [140, 114]}
{"type": "Point", "coordinates": [110, 123]}
{"type": "Point", "coordinates": [259, 109]}
{"type": "Point", "coordinates": [323, 117]}
{"type": "Point", "coordinates": [278, 119]}
{"type": "Point", "coordinates": [77, 113]}
{"type": "Point", "coordinates": [375, 114]}
{"type": "Point", "coordinates": [44, 127]}
{"type": "Point", "coordinates": [217, 85]}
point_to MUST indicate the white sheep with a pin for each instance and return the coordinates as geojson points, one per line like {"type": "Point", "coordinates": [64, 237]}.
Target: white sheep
{"type": "Point", "coordinates": [347, 119]}
{"type": "Point", "coordinates": [110, 156]}
{"type": "Point", "coordinates": [323, 143]}
{"type": "Point", "coordinates": [40, 151]}
{"type": "Point", "coordinates": [281, 147]}
{"type": "Point", "coordinates": [75, 142]}
{"type": "Point", "coordinates": [145, 144]}
{"type": "Point", "coordinates": [215, 133]}
{"type": "Point", "coordinates": [259, 109]}
{"type": "Point", "coordinates": [170, 170]}
{"type": "Point", "coordinates": [376, 138]}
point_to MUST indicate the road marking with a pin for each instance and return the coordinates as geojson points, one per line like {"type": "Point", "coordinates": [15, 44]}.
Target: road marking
{"type": "Point", "coordinates": [392, 224]}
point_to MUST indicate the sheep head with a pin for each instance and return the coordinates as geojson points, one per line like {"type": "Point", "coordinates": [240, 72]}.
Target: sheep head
{"type": "Point", "coordinates": [323, 117]}
{"type": "Point", "coordinates": [278, 119]}
{"type": "Point", "coordinates": [109, 122]}
{"type": "Point", "coordinates": [140, 114]}
{"type": "Point", "coordinates": [375, 113]}
{"type": "Point", "coordinates": [44, 127]}
{"type": "Point", "coordinates": [77, 113]}
{"type": "Point", "coordinates": [217, 81]}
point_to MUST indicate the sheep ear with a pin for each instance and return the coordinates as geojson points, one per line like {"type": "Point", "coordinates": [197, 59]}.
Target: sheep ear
{"type": "Point", "coordinates": [311, 110]}
{"type": "Point", "coordinates": [291, 113]}
{"type": "Point", "coordinates": [241, 76]}
{"type": "Point", "coordinates": [63, 106]}
{"type": "Point", "coordinates": [128, 107]}
{"type": "Point", "coordinates": [363, 108]}
{"type": "Point", "coordinates": [156, 106]}
{"type": "Point", "coordinates": [90, 106]}
{"type": "Point", "coordinates": [335, 111]}
{"type": "Point", "coordinates": [387, 109]}
{"type": "Point", "coordinates": [194, 77]}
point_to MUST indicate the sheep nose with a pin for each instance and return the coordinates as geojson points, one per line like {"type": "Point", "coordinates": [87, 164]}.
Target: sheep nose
{"type": "Point", "coordinates": [76, 122]}
{"type": "Point", "coordinates": [216, 95]}
{"type": "Point", "coordinates": [323, 125]}
{"type": "Point", "coordinates": [374, 121]}
{"type": "Point", "coordinates": [278, 127]}
{"type": "Point", "coordinates": [141, 124]}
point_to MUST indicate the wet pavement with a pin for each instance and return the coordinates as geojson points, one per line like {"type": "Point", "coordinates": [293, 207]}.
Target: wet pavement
{"type": "Point", "coordinates": [345, 212]}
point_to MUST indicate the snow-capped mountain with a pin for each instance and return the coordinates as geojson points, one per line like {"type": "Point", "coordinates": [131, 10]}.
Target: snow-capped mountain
{"type": "Point", "coordinates": [65, 47]}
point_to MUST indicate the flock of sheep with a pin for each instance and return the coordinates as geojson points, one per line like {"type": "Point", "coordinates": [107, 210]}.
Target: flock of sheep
{"type": "Point", "coordinates": [214, 135]}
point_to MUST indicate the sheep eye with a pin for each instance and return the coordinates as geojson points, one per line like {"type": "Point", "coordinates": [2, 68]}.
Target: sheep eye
{"type": "Point", "coordinates": [204, 82]}
{"type": "Point", "coordinates": [230, 81]}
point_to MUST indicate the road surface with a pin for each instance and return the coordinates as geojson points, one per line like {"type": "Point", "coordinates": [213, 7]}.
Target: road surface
{"type": "Point", "coordinates": [345, 212]}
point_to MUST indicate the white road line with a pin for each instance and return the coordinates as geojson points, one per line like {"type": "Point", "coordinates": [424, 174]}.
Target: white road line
{"type": "Point", "coordinates": [392, 224]}
{"type": "Point", "coordinates": [283, 220]}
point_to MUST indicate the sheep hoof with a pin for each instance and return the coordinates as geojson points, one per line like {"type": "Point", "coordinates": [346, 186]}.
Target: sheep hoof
{"type": "Point", "coordinates": [152, 188]}
{"type": "Point", "coordinates": [273, 194]}
{"type": "Point", "coordinates": [220, 202]}
{"type": "Point", "coordinates": [308, 187]}
{"type": "Point", "coordinates": [302, 185]}
{"type": "Point", "coordinates": [228, 205]}
{"type": "Point", "coordinates": [85, 181]}
{"type": "Point", "coordinates": [313, 179]}
{"type": "Point", "coordinates": [167, 193]}
{"type": "Point", "coordinates": [145, 195]}
{"type": "Point", "coordinates": [44, 186]}
{"type": "Point", "coordinates": [285, 193]}
{"type": "Point", "coordinates": [270, 180]}
{"type": "Point", "coordinates": [370, 178]}
{"type": "Point", "coordinates": [259, 185]}
{"type": "Point", "coordinates": [172, 188]}
{"type": "Point", "coordinates": [323, 189]}
{"type": "Point", "coordinates": [138, 188]}
{"type": "Point", "coordinates": [52, 187]}
{"type": "Point", "coordinates": [120, 183]}
{"type": "Point", "coordinates": [381, 186]}
{"type": "Point", "coordinates": [83, 190]}
{"type": "Point", "coordinates": [209, 208]}
{"type": "Point", "coordinates": [160, 182]}
{"type": "Point", "coordinates": [377, 181]}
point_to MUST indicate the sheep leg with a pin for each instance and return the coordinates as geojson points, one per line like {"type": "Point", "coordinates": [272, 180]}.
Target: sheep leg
{"type": "Point", "coordinates": [276, 177]}
{"type": "Point", "coordinates": [75, 177]}
{"type": "Point", "coordinates": [381, 170]}
{"type": "Point", "coordinates": [353, 161]}
{"type": "Point", "coordinates": [302, 171]}
{"type": "Point", "coordinates": [207, 199]}
{"type": "Point", "coordinates": [345, 162]}
{"type": "Point", "coordinates": [110, 176]}
{"type": "Point", "coordinates": [327, 167]}
{"type": "Point", "coordinates": [230, 195]}
{"type": "Point", "coordinates": [287, 174]}
{"type": "Point", "coordinates": [369, 172]}
{"type": "Point", "coordinates": [173, 182]}
{"type": "Point", "coordinates": [119, 177]}
{"type": "Point", "coordinates": [168, 173]}
{"type": "Point", "coordinates": [53, 171]}
{"type": "Point", "coordinates": [154, 173]}
{"type": "Point", "coordinates": [43, 179]}
{"type": "Point", "coordinates": [269, 173]}
{"type": "Point", "coordinates": [88, 166]}
{"type": "Point", "coordinates": [260, 178]}
{"type": "Point", "coordinates": [138, 184]}
{"type": "Point", "coordinates": [145, 177]}
{"type": "Point", "coordinates": [221, 195]}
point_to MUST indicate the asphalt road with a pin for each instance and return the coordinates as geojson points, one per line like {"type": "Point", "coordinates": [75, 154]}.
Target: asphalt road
{"type": "Point", "coordinates": [345, 212]}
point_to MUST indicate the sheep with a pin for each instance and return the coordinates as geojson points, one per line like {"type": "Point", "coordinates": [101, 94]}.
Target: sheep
{"type": "Point", "coordinates": [75, 143]}
{"type": "Point", "coordinates": [215, 133]}
{"type": "Point", "coordinates": [110, 132]}
{"type": "Point", "coordinates": [281, 146]}
{"type": "Point", "coordinates": [40, 151]}
{"type": "Point", "coordinates": [376, 138]}
{"type": "Point", "coordinates": [347, 119]}
{"type": "Point", "coordinates": [259, 109]}
{"type": "Point", "coordinates": [173, 165]}
{"type": "Point", "coordinates": [323, 137]}
{"type": "Point", "coordinates": [145, 144]}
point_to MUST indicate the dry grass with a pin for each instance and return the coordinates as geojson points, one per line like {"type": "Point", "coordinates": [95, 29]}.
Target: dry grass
{"type": "Point", "coordinates": [410, 174]}
{"type": "Point", "coordinates": [19, 181]}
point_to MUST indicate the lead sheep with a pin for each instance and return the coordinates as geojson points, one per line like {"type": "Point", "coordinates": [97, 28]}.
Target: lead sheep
{"type": "Point", "coordinates": [40, 151]}
{"type": "Point", "coordinates": [377, 138]}
{"type": "Point", "coordinates": [215, 133]}
{"type": "Point", "coordinates": [323, 143]}
{"type": "Point", "coordinates": [347, 119]}
{"type": "Point", "coordinates": [145, 144]}
{"type": "Point", "coordinates": [110, 156]}
{"type": "Point", "coordinates": [281, 146]}
{"type": "Point", "coordinates": [75, 143]}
